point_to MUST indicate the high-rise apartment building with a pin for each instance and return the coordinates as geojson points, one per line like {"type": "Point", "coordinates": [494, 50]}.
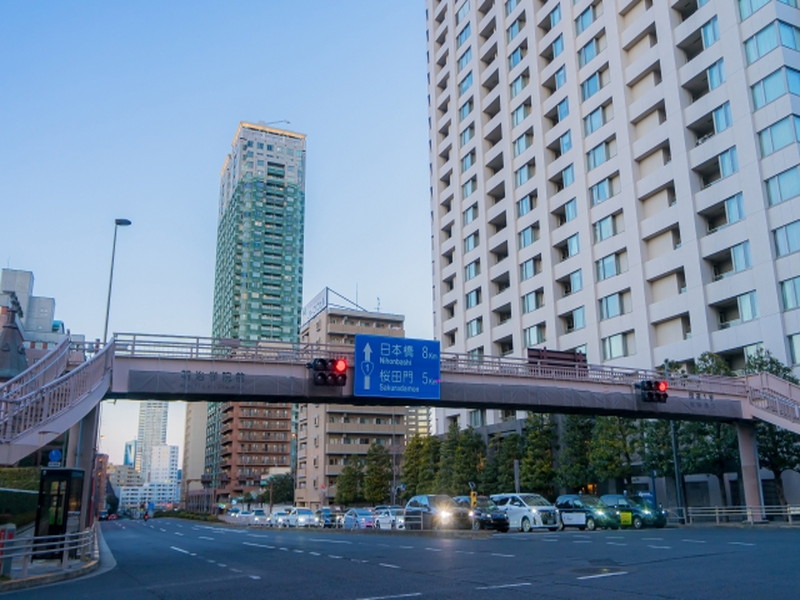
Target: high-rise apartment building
{"type": "Point", "coordinates": [330, 435]}
{"type": "Point", "coordinates": [257, 294]}
{"type": "Point", "coordinates": [152, 433]}
{"type": "Point", "coordinates": [618, 178]}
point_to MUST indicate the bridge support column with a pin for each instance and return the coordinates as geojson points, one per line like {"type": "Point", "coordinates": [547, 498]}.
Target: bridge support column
{"type": "Point", "coordinates": [81, 450]}
{"type": "Point", "coordinates": [751, 479]}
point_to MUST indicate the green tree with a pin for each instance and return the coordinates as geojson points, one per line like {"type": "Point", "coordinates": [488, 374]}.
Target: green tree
{"type": "Point", "coordinates": [448, 450]}
{"type": "Point", "coordinates": [377, 474]}
{"type": "Point", "coordinates": [710, 448]}
{"type": "Point", "coordinates": [615, 443]}
{"type": "Point", "coordinates": [282, 489]}
{"type": "Point", "coordinates": [420, 465]}
{"type": "Point", "coordinates": [778, 449]}
{"type": "Point", "coordinates": [470, 460]}
{"type": "Point", "coordinates": [349, 483]}
{"type": "Point", "coordinates": [657, 446]}
{"type": "Point", "coordinates": [575, 469]}
{"type": "Point", "coordinates": [487, 478]}
{"type": "Point", "coordinates": [510, 450]}
{"type": "Point", "coordinates": [537, 472]}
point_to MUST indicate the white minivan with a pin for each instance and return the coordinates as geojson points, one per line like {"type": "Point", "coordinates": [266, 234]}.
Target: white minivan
{"type": "Point", "coordinates": [527, 511]}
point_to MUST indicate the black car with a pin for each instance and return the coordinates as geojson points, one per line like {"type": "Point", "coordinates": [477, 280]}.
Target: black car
{"type": "Point", "coordinates": [485, 514]}
{"type": "Point", "coordinates": [328, 518]}
{"type": "Point", "coordinates": [436, 511]}
{"type": "Point", "coordinates": [636, 511]}
{"type": "Point", "coordinates": [585, 511]}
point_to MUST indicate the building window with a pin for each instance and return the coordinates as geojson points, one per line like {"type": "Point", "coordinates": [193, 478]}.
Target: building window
{"type": "Point", "coordinates": [462, 12]}
{"type": "Point", "coordinates": [748, 7]}
{"type": "Point", "coordinates": [558, 46]}
{"type": "Point", "coordinates": [568, 176]}
{"type": "Point", "coordinates": [527, 269]}
{"type": "Point", "coordinates": [523, 174]}
{"type": "Point", "coordinates": [615, 346]}
{"type": "Point", "coordinates": [465, 109]}
{"type": "Point", "coordinates": [787, 238]}
{"type": "Point", "coordinates": [779, 135]}
{"type": "Point", "coordinates": [522, 143]}
{"type": "Point", "coordinates": [510, 6]}
{"type": "Point", "coordinates": [601, 191]}
{"type": "Point", "coordinates": [588, 52]}
{"type": "Point", "coordinates": [571, 248]}
{"type": "Point", "coordinates": [716, 74]}
{"type": "Point", "coordinates": [710, 32]}
{"type": "Point", "coordinates": [465, 84]}
{"type": "Point", "coordinates": [783, 186]}
{"type": "Point", "coordinates": [462, 36]}
{"type": "Point", "coordinates": [555, 16]}
{"type": "Point", "coordinates": [728, 162]}
{"type": "Point", "coordinates": [599, 154]}
{"type": "Point", "coordinates": [467, 134]}
{"type": "Point", "coordinates": [594, 120]}
{"type": "Point", "coordinates": [722, 117]}
{"type": "Point", "coordinates": [474, 327]}
{"type": "Point", "coordinates": [575, 320]}
{"type": "Point", "coordinates": [519, 84]}
{"type": "Point", "coordinates": [516, 57]}
{"type": "Point", "coordinates": [525, 205]}
{"type": "Point", "coordinates": [775, 85]}
{"type": "Point", "coordinates": [520, 113]}
{"type": "Point", "coordinates": [591, 85]}
{"type": "Point", "coordinates": [574, 283]}
{"type": "Point", "coordinates": [468, 161]}
{"type": "Point", "coordinates": [585, 19]}
{"type": "Point", "coordinates": [767, 39]}
{"type": "Point", "coordinates": [468, 188]}
{"type": "Point", "coordinates": [611, 306]}
{"type": "Point", "coordinates": [471, 242]}
{"type": "Point", "coordinates": [470, 214]}
{"type": "Point", "coordinates": [532, 301]}
{"type": "Point", "coordinates": [477, 418]}
{"type": "Point", "coordinates": [794, 348]}
{"type": "Point", "coordinates": [604, 228]}
{"type": "Point", "coordinates": [514, 29]}
{"type": "Point", "coordinates": [464, 59]}
{"type": "Point", "coordinates": [607, 267]}
{"type": "Point", "coordinates": [740, 256]}
{"type": "Point", "coordinates": [473, 298]}
{"type": "Point", "coordinates": [570, 210]}
{"type": "Point", "coordinates": [535, 335]}
{"type": "Point", "coordinates": [790, 293]}
{"type": "Point", "coordinates": [472, 270]}
{"type": "Point", "coordinates": [748, 307]}
{"type": "Point", "coordinates": [565, 142]}
{"type": "Point", "coordinates": [528, 235]}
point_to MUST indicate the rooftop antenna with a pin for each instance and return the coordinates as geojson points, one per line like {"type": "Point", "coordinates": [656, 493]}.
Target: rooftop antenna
{"type": "Point", "coordinates": [379, 305]}
{"type": "Point", "coordinates": [275, 122]}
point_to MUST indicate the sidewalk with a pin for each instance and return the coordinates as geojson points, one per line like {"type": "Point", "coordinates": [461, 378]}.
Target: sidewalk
{"type": "Point", "coordinates": [47, 571]}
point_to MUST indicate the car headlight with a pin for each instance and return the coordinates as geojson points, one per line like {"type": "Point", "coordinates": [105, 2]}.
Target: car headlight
{"type": "Point", "coordinates": [600, 512]}
{"type": "Point", "coordinates": [445, 515]}
{"type": "Point", "coordinates": [472, 513]}
{"type": "Point", "coordinates": [647, 511]}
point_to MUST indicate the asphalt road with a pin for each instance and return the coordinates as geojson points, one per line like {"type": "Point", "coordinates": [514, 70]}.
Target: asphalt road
{"type": "Point", "coordinates": [169, 559]}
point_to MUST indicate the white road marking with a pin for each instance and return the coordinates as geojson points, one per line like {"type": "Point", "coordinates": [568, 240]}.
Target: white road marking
{"type": "Point", "coordinates": [299, 551]}
{"type": "Point", "coordinates": [581, 541]}
{"type": "Point", "coordinates": [464, 552]}
{"type": "Point", "coordinates": [210, 560]}
{"type": "Point", "coordinates": [283, 549]}
{"type": "Point", "coordinates": [179, 533]}
{"type": "Point", "coordinates": [236, 570]}
{"type": "Point", "coordinates": [205, 537]}
{"type": "Point", "coordinates": [330, 541]}
{"type": "Point", "coordinates": [414, 595]}
{"type": "Point", "coordinates": [253, 544]}
{"type": "Point", "coordinates": [603, 575]}
{"type": "Point", "coordinates": [652, 539]}
{"type": "Point", "coordinates": [503, 586]}
{"type": "Point", "coordinates": [388, 566]}
{"type": "Point", "coordinates": [256, 577]}
{"type": "Point", "coordinates": [434, 549]}
{"type": "Point", "coordinates": [181, 550]}
{"type": "Point", "coordinates": [503, 555]}
{"type": "Point", "coordinates": [740, 544]}
{"type": "Point", "coordinates": [406, 547]}
{"type": "Point", "coordinates": [616, 544]}
{"type": "Point", "coordinates": [549, 539]}
{"type": "Point", "coordinates": [659, 547]}
{"type": "Point", "coordinates": [315, 554]}
{"type": "Point", "coordinates": [334, 556]}
{"type": "Point", "coordinates": [694, 541]}
{"type": "Point", "coordinates": [222, 565]}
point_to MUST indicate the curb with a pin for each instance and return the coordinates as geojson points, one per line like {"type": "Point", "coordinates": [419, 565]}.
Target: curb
{"type": "Point", "coordinates": [48, 578]}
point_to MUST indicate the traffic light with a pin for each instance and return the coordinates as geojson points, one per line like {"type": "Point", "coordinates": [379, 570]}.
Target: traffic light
{"type": "Point", "coordinates": [329, 371]}
{"type": "Point", "coordinates": [653, 390]}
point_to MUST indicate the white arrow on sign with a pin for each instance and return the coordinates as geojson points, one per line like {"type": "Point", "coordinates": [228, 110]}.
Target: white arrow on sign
{"type": "Point", "coordinates": [366, 365]}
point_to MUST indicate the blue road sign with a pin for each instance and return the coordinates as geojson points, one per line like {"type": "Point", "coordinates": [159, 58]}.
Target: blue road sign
{"type": "Point", "coordinates": [391, 367]}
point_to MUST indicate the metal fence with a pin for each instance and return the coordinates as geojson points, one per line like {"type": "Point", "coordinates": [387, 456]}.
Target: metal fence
{"type": "Point", "coordinates": [743, 514]}
{"type": "Point", "coordinates": [60, 549]}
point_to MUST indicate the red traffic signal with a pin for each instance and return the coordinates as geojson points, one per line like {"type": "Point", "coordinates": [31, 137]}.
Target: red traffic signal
{"type": "Point", "coordinates": [653, 391]}
{"type": "Point", "coordinates": [329, 371]}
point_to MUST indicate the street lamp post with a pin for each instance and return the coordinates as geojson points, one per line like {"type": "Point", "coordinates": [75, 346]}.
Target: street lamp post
{"type": "Point", "coordinates": [117, 224]}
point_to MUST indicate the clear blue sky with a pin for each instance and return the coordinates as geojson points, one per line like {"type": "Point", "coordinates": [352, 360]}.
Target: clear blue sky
{"type": "Point", "coordinates": [112, 109]}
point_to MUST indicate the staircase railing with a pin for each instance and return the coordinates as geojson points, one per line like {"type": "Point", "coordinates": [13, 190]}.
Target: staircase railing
{"type": "Point", "coordinates": [775, 395]}
{"type": "Point", "coordinates": [51, 365]}
{"type": "Point", "coordinates": [41, 405]}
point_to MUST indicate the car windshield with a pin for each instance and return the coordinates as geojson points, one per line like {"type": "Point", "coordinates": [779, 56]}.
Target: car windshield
{"type": "Point", "coordinates": [363, 512]}
{"type": "Point", "coordinates": [593, 501]}
{"type": "Point", "coordinates": [486, 503]}
{"type": "Point", "coordinates": [304, 511]}
{"type": "Point", "coordinates": [443, 502]}
{"type": "Point", "coordinates": [641, 502]}
{"type": "Point", "coordinates": [534, 500]}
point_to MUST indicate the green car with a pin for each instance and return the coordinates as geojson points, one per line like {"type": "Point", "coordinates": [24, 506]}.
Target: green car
{"type": "Point", "coordinates": [585, 511]}
{"type": "Point", "coordinates": [635, 511]}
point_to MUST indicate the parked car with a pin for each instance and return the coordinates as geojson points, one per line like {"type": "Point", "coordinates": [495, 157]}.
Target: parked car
{"type": "Point", "coordinates": [528, 511]}
{"type": "Point", "coordinates": [585, 511]}
{"type": "Point", "coordinates": [300, 517]}
{"type": "Point", "coordinates": [485, 514]}
{"type": "Point", "coordinates": [636, 511]}
{"type": "Point", "coordinates": [259, 517]}
{"type": "Point", "coordinates": [390, 518]}
{"type": "Point", "coordinates": [279, 518]}
{"type": "Point", "coordinates": [359, 518]}
{"type": "Point", "coordinates": [234, 512]}
{"type": "Point", "coordinates": [326, 518]}
{"type": "Point", "coordinates": [436, 511]}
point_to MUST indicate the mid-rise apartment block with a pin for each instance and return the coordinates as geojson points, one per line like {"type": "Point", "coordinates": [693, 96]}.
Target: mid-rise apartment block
{"type": "Point", "coordinates": [257, 296]}
{"type": "Point", "coordinates": [330, 435]}
{"type": "Point", "coordinates": [620, 178]}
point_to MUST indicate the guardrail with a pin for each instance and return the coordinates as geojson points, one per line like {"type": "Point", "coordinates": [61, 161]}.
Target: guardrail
{"type": "Point", "coordinates": [81, 545]}
{"type": "Point", "coordinates": [51, 365]}
{"type": "Point", "coordinates": [743, 514]}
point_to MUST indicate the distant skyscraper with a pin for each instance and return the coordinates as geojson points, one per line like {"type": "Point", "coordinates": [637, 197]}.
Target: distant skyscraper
{"type": "Point", "coordinates": [615, 178]}
{"type": "Point", "coordinates": [152, 432]}
{"type": "Point", "coordinates": [258, 291]}
{"type": "Point", "coordinates": [129, 459]}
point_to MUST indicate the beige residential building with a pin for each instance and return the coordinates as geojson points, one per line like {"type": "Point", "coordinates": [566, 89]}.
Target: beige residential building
{"type": "Point", "coordinates": [617, 177]}
{"type": "Point", "coordinates": [329, 435]}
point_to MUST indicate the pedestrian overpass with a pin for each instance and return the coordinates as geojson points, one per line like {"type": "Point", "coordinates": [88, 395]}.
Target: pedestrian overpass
{"type": "Point", "coordinates": [62, 391]}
